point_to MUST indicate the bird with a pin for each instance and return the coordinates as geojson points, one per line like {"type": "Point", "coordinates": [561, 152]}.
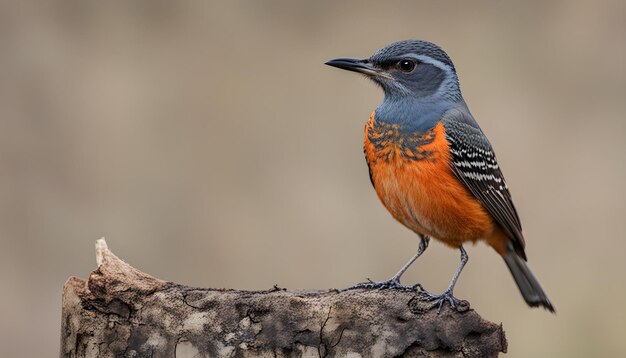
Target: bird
{"type": "Point", "coordinates": [433, 167]}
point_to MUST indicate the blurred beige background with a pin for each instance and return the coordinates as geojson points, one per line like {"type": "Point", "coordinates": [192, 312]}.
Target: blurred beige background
{"type": "Point", "coordinates": [210, 145]}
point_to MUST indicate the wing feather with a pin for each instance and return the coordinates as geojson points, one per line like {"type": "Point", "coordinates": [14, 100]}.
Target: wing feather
{"type": "Point", "coordinates": [474, 163]}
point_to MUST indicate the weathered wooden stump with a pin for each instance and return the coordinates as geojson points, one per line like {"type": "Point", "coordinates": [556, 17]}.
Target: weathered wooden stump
{"type": "Point", "coordinates": [122, 312]}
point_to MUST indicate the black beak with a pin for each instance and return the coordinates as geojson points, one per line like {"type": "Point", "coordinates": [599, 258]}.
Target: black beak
{"type": "Point", "coordinates": [355, 64]}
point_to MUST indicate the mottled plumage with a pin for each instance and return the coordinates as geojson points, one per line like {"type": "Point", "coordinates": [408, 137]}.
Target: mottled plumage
{"type": "Point", "coordinates": [416, 184]}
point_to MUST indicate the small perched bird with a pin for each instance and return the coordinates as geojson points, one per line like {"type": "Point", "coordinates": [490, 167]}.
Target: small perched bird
{"type": "Point", "coordinates": [433, 167]}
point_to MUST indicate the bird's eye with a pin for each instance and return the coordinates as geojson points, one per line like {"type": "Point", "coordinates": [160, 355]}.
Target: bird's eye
{"type": "Point", "coordinates": [407, 65]}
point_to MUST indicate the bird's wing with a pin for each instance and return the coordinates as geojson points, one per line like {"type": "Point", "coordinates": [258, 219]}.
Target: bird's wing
{"type": "Point", "coordinates": [474, 163]}
{"type": "Point", "coordinates": [369, 168]}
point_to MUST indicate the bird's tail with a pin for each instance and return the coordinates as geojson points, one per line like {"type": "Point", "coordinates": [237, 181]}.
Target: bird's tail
{"type": "Point", "coordinates": [528, 285]}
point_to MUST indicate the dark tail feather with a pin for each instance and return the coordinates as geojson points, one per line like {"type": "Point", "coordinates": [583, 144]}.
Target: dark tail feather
{"type": "Point", "coordinates": [526, 281]}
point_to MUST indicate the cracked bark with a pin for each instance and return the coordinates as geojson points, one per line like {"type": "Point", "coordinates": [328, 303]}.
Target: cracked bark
{"type": "Point", "coordinates": [122, 312]}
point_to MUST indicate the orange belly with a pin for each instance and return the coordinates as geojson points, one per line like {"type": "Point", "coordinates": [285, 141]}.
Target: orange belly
{"type": "Point", "coordinates": [413, 179]}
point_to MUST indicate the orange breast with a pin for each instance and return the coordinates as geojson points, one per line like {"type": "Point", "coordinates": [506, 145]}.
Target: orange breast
{"type": "Point", "coordinates": [412, 176]}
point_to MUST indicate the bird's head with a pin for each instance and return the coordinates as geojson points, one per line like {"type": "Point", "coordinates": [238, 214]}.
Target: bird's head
{"type": "Point", "coordinates": [408, 69]}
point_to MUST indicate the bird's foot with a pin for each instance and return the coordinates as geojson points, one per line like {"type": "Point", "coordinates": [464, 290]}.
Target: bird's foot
{"type": "Point", "coordinates": [439, 300]}
{"type": "Point", "coordinates": [391, 284]}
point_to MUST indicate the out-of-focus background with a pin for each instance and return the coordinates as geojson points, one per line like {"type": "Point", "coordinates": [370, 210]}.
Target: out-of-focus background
{"type": "Point", "coordinates": [210, 145]}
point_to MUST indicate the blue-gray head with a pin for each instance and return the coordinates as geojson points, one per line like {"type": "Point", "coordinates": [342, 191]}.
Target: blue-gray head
{"type": "Point", "coordinates": [408, 68]}
{"type": "Point", "coordinates": [418, 78]}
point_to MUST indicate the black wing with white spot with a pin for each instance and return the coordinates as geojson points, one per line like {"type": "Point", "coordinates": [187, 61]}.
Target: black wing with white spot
{"type": "Point", "coordinates": [475, 164]}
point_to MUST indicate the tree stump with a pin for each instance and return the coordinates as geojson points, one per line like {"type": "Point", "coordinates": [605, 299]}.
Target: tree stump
{"type": "Point", "coordinates": [122, 312]}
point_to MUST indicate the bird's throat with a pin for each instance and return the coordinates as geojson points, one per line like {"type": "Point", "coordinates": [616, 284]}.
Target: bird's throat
{"type": "Point", "coordinates": [412, 114]}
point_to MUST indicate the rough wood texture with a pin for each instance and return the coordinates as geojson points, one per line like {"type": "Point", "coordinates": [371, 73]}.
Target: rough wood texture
{"type": "Point", "coordinates": [122, 312]}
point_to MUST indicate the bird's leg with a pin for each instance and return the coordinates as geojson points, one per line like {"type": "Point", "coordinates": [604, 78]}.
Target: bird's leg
{"type": "Point", "coordinates": [394, 282]}
{"type": "Point", "coordinates": [424, 240]}
{"type": "Point", "coordinates": [447, 294]}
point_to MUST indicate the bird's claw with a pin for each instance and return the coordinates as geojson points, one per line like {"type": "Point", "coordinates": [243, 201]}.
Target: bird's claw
{"type": "Point", "coordinates": [392, 284]}
{"type": "Point", "coordinates": [439, 300]}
